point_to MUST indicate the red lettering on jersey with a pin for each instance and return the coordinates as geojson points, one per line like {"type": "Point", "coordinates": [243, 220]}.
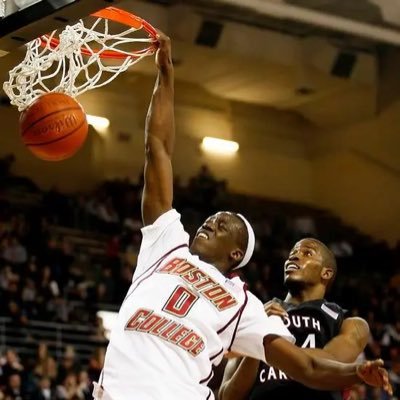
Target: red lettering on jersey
{"type": "Point", "coordinates": [188, 341]}
{"type": "Point", "coordinates": [214, 292]}
{"type": "Point", "coordinates": [184, 269]}
{"type": "Point", "coordinates": [168, 331]}
{"type": "Point", "coordinates": [194, 276]}
{"type": "Point", "coordinates": [199, 280]}
{"type": "Point", "coordinates": [207, 282]}
{"type": "Point", "coordinates": [156, 329]}
{"type": "Point", "coordinates": [225, 302]}
{"type": "Point", "coordinates": [179, 334]}
{"type": "Point", "coordinates": [172, 265]}
{"type": "Point", "coordinates": [148, 323]}
{"type": "Point", "coordinates": [137, 318]}
{"type": "Point", "coordinates": [198, 348]}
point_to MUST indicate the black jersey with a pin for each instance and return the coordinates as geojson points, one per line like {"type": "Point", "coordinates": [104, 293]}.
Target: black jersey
{"type": "Point", "coordinates": [313, 324]}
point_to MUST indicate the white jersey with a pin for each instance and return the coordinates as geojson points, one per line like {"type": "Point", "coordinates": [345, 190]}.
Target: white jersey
{"type": "Point", "coordinates": [180, 316]}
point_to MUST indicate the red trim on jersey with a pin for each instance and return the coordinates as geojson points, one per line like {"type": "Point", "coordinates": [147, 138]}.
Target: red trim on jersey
{"type": "Point", "coordinates": [229, 322]}
{"type": "Point", "coordinates": [208, 377]}
{"type": "Point", "coordinates": [236, 314]}
{"type": "Point", "coordinates": [155, 265]}
{"type": "Point", "coordinates": [240, 316]}
{"type": "Point", "coordinates": [160, 259]}
{"type": "Point", "coordinates": [216, 355]}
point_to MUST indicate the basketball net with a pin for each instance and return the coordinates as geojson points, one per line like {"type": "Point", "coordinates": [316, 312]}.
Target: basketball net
{"type": "Point", "coordinates": [2, 8]}
{"type": "Point", "coordinates": [75, 64]}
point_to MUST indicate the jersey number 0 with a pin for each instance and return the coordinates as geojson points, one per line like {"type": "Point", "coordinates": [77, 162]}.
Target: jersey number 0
{"type": "Point", "coordinates": [180, 302]}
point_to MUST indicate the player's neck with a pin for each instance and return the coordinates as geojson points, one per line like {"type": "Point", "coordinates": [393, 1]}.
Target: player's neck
{"type": "Point", "coordinates": [306, 294]}
{"type": "Point", "coordinates": [219, 265]}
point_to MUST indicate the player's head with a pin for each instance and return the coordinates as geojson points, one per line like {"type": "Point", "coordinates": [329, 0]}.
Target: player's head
{"type": "Point", "coordinates": [310, 264]}
{"type": "Point", "coordinates": [225, 240]}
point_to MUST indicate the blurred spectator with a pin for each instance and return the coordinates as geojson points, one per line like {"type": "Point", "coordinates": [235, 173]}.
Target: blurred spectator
{"type": "Point", "coordinates": [10, 365]}
{"type": "Point", "coordinates": [13, 390]}
{"type": "Point", "coordinates": [44, 390]}
{"type": "Point", "coordinates": [341, 248]}
{"type": "Point", "coordinates": [46, 366]}
{"type": "Point", "coordinates": [69, 366]}
{"type": "Point", "coordinates": [304, 226]}
{"type": "Point", "coordinates": [14, 252]}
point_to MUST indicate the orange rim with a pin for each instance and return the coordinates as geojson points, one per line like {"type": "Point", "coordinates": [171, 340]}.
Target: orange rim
{"type": "Point", "coordinates": [117, 15]}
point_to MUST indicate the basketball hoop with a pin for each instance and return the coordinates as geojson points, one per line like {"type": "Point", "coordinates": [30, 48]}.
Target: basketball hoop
{"type": "Point", "coordinates": [81, 57]}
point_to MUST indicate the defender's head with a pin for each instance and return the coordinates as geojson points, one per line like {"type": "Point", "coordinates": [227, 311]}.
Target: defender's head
{"type": "Point", "coordinates": [310, 264]}
{"type": "Point", "coordinates": [225, 240]}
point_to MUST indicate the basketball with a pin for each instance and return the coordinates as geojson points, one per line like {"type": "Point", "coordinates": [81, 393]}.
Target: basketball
{"type": "Point", "coordinates": [54, 127]}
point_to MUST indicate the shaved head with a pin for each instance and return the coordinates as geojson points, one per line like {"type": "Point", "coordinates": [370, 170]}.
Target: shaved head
{"type": "Point", "coordinates": [329, 259]}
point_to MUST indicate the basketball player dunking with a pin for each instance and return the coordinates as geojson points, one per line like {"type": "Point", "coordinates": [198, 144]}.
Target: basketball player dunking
{"type": "Point", "coordinates": [308, 273]}
{"type": "Point", "coordinates": [181, 314]}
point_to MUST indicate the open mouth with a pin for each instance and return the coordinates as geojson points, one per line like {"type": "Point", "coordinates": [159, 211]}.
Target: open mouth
{"type": "Point", "coordinates": [291, 267]}
{"type": "Point", "coordinates": [203, 235]}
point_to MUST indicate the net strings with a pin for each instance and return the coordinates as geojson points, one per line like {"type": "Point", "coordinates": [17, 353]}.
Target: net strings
{"type": "Point", "coordinates": [65, 69]}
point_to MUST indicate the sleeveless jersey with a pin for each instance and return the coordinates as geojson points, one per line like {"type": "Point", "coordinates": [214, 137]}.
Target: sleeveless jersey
{"type": "Point", "coordinates": [178, 318]}
{"type": "Point", "coordinates": [313, 324]}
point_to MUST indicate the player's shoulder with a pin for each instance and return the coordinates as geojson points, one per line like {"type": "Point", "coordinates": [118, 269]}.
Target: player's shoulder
{"type": "Point", "coordinates": [332, 306]}
{"type": "Point", "coordinates": [163, 220]}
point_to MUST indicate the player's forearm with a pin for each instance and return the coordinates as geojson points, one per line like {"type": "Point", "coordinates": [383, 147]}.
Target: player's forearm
{"type": "Point", "coordinates": [344, 354]}
{"type": "Point", "coordinates": [160, 123]}
{"type": "Point", "coordinates": [310, 370]}
{"type": "Point", "coordinates": [240, 383]}
{"type": "Point", "coordinates": [325, 374]}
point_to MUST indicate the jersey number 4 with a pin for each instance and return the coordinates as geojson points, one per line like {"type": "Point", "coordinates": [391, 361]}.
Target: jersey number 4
{"type": "Point", "coordinates": [309, 342]}
{"type": "Point", "coordinates": [180, 302]}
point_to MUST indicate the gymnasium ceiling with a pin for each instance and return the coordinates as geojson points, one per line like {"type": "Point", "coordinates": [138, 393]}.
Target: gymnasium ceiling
{"type": "Point", "coordinates": [268, 61]}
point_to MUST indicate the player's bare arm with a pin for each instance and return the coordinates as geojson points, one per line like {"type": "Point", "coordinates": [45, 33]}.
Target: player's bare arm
{"type": "Point", "coordinates": [348, 344]}
{"type": "Point", "coordinates": [319, 373]}
{"type": "Point", "coordinates": [239, 377]}
{"type": "Point", "coordinates": [159, 138]}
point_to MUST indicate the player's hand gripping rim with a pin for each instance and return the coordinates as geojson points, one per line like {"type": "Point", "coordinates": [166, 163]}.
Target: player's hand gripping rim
{"type": "Point", "coordinates": [373, 374]}
{"type": "Point", "coordinates": [163, 54]}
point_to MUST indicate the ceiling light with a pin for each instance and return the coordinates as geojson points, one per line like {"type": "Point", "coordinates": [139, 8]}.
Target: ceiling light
{"type": "Point", "coordinates": [98, 123]}
{"type": "Point", "coordinates": [219, 146]}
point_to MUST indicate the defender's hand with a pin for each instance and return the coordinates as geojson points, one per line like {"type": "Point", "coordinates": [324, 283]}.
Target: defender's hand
{"type": "Point", "coordinates": [274, 308]}
{"type": "Point", "coordinates": [163, 55]}
{"type": "Point", "coordinates": [373, 374]}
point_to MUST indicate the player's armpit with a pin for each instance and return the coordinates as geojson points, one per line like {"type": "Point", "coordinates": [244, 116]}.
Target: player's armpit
{"type": "Point", "coordinates": [350, 342]}
{"type": "Point", "coordinates": [239, 377]}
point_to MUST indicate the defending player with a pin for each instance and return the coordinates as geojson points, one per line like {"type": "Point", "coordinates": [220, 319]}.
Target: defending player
{"type": "Point", "coordinates": [308, 273]}
{"type": "Point", "coordinates": [181, 314]}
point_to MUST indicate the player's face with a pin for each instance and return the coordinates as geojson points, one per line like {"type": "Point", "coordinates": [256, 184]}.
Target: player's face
{"type": "Point", "coordinates": [304, 264]}
{"type": "Point", "coordinates": [217, 238]}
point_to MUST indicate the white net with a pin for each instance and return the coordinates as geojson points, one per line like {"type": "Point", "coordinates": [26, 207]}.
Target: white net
{"type": "Point", "coordinates": [75, 64]}
{"type": "Point", "coordinates": [2, 8]}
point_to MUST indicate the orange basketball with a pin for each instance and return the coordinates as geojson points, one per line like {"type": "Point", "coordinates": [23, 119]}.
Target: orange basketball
{"type": "Point", "coordinates": [54, 127]}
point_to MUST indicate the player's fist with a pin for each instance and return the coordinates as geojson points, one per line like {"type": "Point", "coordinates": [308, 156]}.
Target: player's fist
{"type": "Point", "coordinates": [274, 308]}
{"type": "Point", "coordinates": [163, 55]}
{"type": "Point", "coordinates": [373, 374]}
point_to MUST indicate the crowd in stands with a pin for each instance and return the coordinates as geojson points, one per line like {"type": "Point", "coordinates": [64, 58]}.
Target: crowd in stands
{"type": "Point", "coordinates": [45, 275]}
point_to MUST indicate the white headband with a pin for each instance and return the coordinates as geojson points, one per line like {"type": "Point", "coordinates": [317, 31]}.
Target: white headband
{"type": "Point", "coordinates": [250, 243]}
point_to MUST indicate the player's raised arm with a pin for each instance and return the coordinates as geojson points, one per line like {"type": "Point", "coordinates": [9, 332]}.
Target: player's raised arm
{"type": "Point", "coordinates": [159, 139]}
{"type": "Point", "coordinates": [320, 373]}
